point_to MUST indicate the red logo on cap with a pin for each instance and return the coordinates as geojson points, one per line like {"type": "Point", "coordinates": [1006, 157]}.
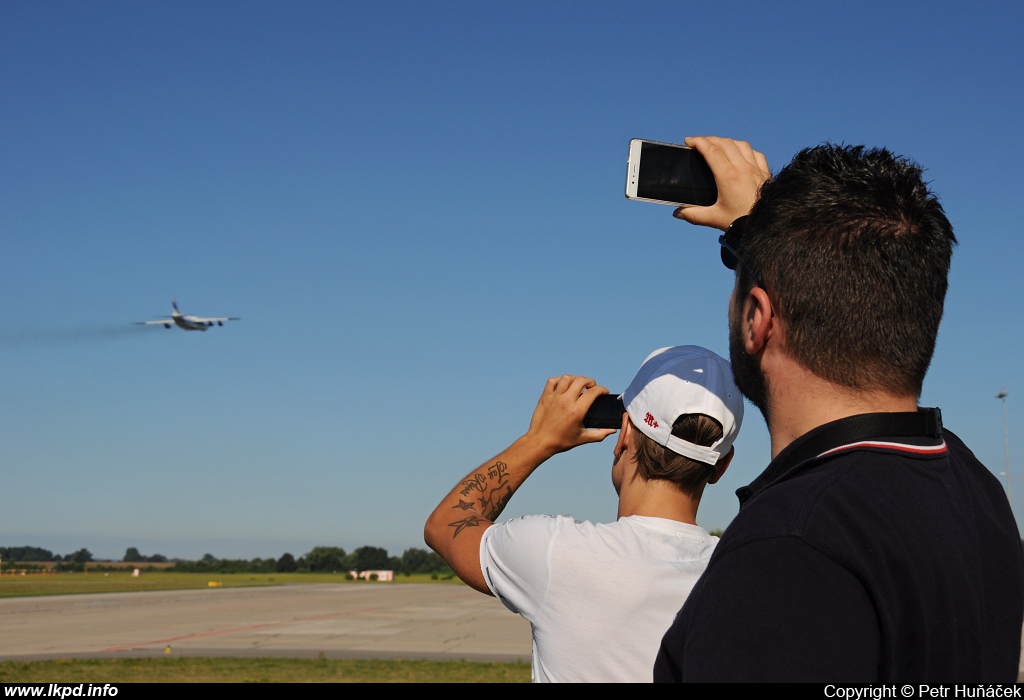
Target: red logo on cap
{"type": "Point", "coordinates": [649, 420]}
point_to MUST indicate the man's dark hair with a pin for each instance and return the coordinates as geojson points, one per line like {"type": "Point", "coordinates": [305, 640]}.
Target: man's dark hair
{"type": "Point", "coordinates": [654, 461]}
{"type": "Point", "coordinates": [853, 250]}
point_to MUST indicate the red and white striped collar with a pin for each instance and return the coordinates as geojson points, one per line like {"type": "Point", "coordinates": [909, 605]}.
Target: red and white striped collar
{"type": "Point", "coordinates": [918, 434]}
{"type": "Point", "coordinates": [896, 446]}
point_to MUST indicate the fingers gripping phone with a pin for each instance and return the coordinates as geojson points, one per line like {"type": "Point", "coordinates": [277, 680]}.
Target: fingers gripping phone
{"type": "Point", "coordinates": [667, 173]}
{"type": "Point", "coordinates": [605, 412]}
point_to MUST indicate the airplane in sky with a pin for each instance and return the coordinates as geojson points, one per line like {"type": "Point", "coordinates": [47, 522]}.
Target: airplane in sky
{"type": "Point", "coordinates": [189, 323]}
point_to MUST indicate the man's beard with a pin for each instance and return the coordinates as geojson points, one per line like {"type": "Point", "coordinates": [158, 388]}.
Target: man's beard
{"type": "Point", "coordinates": [746, 370]}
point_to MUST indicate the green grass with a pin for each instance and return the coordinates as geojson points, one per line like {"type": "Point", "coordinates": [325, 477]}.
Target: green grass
{"type": "Point", "coordinates": [117, 582]}
{"type": "Point", "coordinates": [247, 670]}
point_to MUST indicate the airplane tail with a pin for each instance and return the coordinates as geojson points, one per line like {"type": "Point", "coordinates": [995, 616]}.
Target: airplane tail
{"type": "Point", "coordinates": [174, 303]}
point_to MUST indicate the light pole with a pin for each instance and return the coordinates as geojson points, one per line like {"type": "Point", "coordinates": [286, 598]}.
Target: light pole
{"type": "Point", "coordinates": [1006, 444]}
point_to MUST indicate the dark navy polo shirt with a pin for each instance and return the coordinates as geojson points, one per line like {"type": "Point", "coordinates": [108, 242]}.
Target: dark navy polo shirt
{"type": "Point", "coordinates": [879, 559]}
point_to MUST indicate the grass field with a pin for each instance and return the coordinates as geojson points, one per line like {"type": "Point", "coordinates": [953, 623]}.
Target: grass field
{"type": "Point", "coordinates": [118, 582]}
{"type": "Point", "coordinates": [245, 670]}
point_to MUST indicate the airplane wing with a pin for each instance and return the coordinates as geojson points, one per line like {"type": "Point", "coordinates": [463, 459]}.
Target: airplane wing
{"type": "Point", "coordinates": [197, 319]}
{"type": "Point", "coordinates": [163, 322]}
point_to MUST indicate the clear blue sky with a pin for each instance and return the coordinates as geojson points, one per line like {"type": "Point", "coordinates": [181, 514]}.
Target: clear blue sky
{"type": "Point", "coordinates": [417, 210]}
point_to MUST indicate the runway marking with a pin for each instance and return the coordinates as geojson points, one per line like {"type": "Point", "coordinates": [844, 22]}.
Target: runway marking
{"type": "Point", "coordinates": [239, 629]}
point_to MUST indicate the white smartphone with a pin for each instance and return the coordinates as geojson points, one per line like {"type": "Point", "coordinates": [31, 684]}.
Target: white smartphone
{"type": "Point", "coordinates": [667, 173]}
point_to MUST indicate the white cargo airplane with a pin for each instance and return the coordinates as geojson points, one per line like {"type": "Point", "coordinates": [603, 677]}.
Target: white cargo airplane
{"type": "Point", "coordinates": [189, 323]}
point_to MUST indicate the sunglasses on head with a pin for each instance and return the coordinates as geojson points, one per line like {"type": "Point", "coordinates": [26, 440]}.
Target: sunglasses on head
{"type": "Point", "coordinates": [730, 242]}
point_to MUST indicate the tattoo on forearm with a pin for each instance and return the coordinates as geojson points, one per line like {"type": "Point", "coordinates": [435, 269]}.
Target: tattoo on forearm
{"type": "Point", "coordinates": [494, 502]}
{"type": "Point", "coordinates": [460, 525]}
{"type": "Point", "coordinates": [492, 491]}
{"type": "Point", "coordinates": [497, 471]}
{"type": "Point", "coordinates": [499, 492]}
{"type": "Point", "coordinates": [473, 483]}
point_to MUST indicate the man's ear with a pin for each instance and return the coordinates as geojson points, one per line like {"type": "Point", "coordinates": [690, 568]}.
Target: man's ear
{"type": "Point", "coordinates": [758, 320]}
{"type": "Point", "coordinates": [722, 465]}
{"type": "Point", "coordinates": [625, 435]}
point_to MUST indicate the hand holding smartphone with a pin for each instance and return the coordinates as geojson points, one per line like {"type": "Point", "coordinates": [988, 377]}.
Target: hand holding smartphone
{"type": "Point", "coordinates": [667, 173]}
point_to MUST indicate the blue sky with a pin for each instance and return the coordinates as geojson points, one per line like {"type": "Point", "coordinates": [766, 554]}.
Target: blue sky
{"type": "Point", "coordinates": [417, 210]}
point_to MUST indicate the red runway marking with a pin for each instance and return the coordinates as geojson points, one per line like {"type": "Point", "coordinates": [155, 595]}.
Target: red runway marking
{"type": "Point", "coordinates": [239, 629]}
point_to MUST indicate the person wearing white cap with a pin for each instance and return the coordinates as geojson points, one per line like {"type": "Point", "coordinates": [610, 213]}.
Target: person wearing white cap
{"type": "Point", "coordinates": [599, 597]}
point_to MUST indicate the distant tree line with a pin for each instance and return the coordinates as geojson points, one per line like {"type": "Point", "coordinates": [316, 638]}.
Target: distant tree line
{"type": "Point", "coordinates": [75, 561]}
{"type": "Point", "coordinates": [29, 554]}
{"type": "Point", "coordinates": [319, 559]}
{"type": "Point", "coordinates": [324, 560]}
{"type": "Point", "coordinates": [132, 554]}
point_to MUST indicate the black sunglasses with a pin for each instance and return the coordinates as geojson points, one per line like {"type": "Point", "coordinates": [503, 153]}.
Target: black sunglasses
{"type": "Point", "coordinates": [730, 242]}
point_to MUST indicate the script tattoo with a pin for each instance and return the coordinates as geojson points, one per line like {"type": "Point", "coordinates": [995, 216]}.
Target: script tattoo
{"type": "Point", "coordinates": [460, 525]}
{"type": "Point", "coordinates": [492, 492]}
{"type": "Point", "coordinates": [498, 471]}
{"type": "Point", "coordinates": [498, 491]}
{"type": "Point", "coordinates": [473, 483]}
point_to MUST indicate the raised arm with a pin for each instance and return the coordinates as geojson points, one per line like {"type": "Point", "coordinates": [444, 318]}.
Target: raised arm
{"type": "Point", "coordinates": [739, 173]}
{"type": "Point", "coordinates": [455, 527]}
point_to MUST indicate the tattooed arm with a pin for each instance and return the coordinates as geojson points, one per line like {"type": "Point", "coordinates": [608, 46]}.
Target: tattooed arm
{"type": "Point", "coordinates": [455, 527]}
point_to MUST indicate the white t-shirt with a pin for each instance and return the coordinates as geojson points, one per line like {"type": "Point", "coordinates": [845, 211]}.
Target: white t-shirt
{"type": "Point", "coordinates": [598, 596]}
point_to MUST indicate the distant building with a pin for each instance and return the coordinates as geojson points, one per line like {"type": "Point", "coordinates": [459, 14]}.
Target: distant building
{"type": "Point", "coordinates": [379, 575]}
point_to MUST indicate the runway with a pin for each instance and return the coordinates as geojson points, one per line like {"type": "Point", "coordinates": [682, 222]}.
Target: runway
{"type": "Point", "coordinates": [411, 621]}
{"type": "Point", "coordinates": [380, 621]}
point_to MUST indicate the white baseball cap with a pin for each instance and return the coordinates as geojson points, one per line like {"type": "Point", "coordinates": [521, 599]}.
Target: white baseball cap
{"type": "Point", "coordinates": [681, 380]}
